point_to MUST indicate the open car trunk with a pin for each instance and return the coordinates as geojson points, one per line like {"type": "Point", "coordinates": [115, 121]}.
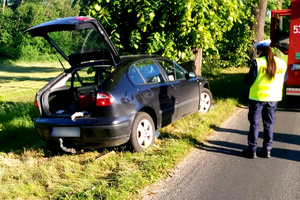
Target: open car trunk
{"type": "Point", "coordinates": [80, 40]}
{"type": "Point", "coordinates": [85, 45]}
{"type": "Point", "coordinates": [73, 93]}
{"type": "Point", "coordinates": [65, 101]}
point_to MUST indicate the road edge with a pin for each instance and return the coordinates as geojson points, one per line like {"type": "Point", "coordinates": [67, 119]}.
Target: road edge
{"type": "Point", "coordinates": [185, 165]}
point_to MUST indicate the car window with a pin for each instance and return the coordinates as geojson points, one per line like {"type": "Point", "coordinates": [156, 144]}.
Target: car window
{"type": "Point", "coordinates": [179, 72]}
{"type": "Point", "coordinates": [76, 42]}
{"type": "Point", "coordinates": [135, 76]}
{"type": "Point", "coordinates": [149, 71]}
{"type": "Point", "coordinates": [89, 76]}
{"type": "Point", "coordinates": [83, 76]}
{"type": "Point", "coordinates": [174, 72]}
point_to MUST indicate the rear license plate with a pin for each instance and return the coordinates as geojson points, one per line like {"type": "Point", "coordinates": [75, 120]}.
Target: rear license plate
{"type": "Point", "coordinates": [65, 132]}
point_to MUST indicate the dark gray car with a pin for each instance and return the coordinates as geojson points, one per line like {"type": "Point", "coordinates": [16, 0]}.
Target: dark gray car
{"type": "Point", "coordinates": [106, 100]}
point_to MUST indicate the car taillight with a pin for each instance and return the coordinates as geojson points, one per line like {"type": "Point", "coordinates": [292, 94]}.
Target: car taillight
{"type": "Point", "coordinates": [104, 99]}
{"type": "Point", "coordinates": [37, 107]}
{"type": "Point", "coordinates": [36, 104]}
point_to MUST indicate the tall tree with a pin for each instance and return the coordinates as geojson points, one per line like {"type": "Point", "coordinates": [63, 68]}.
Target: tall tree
{"type": "Point", "coordinates": [3, 6]}
{"type": "Point", "coordinates": [260, 24]}
{"type": "Point", "coordinates": [280, 4]}
{"type": "Point", "coordinates": [259, 12]}
{"type": "Point", "coordinates": [175, 29]}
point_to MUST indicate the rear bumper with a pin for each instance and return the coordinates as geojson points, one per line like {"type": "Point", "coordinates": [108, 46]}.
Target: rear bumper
{"type": "Point", "coordinates": [93, 134]}
{"type": "Point", "coordinates": [292, 91]}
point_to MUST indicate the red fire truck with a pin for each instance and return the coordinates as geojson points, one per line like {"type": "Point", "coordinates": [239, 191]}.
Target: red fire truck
{"type": "Point", "coordinates": [285, 35]}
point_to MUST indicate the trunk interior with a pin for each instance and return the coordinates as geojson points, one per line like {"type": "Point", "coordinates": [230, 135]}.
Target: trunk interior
{"type": "Point", "coordinates": [74, 92]}
{"type": "Point", "coordinates": [65, 101]}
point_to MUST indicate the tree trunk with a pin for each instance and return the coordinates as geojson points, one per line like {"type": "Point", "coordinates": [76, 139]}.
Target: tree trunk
{"type": "Point", "coordinates": [280, 4]}
{"type": "Point", "coordinates": [259, 20]}
{"type": "Point", "coordinates": [197, 61]}
{"type": "Point", "coordinates": [258, 25]}
{"type": "Point", "coordinates": [3, 6]}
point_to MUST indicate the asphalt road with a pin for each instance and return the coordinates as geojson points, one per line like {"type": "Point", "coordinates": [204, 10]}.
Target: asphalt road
{"type": "Point", "coordinates": [216, 170]}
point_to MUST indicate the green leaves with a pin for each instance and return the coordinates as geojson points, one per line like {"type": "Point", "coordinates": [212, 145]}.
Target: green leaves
{"type": "Point", "coordinates": [21, 16]}
{"type": "Point", "coordinates": [170, 28]}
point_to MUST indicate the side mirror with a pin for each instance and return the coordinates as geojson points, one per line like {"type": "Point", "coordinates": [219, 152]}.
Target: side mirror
{"type": "Point", "coordinates": [190, 75]}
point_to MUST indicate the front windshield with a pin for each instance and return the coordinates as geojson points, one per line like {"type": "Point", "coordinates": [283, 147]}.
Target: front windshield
{"type": "Point", "coordinates": [84, 42]}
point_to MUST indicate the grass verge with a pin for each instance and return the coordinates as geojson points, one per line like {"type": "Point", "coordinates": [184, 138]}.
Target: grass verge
{"type": "Point", "coordinates": [30, 170]}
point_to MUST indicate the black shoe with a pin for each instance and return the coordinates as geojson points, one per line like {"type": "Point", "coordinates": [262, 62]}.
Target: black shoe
{"type": "Point", "coordinates": [248, 153]}
{"type": "Point", "coordinates": [266, 153]}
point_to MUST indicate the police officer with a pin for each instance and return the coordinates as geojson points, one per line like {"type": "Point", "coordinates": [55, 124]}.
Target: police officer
{"type": "Point", "coordinates": [266, 78]}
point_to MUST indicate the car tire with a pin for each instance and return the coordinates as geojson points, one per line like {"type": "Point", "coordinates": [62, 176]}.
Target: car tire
{"type": "Point", "coordinates": [205, 100]}
{"type": "Point", "coordinates": [142, 132]}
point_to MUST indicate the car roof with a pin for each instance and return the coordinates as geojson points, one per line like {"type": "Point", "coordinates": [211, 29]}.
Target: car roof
{"type": "Point", "coordinates": [140, 57]}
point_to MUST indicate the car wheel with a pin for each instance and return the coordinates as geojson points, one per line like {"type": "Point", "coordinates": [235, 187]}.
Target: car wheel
{"type": "Point", "coordinates": [205, 100]}
{"type": "Point", "coordinates": [142, 132]}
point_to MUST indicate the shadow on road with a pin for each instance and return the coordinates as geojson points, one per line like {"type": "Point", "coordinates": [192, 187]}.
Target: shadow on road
{"type": "Point", "coordinates": [279, 137]}
{"type": "Point", "coordinates": [235, 149]}
{"type": "Point", "coordinates": [222, 147]}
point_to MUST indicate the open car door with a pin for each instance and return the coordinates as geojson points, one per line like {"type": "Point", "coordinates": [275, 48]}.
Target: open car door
{"type": "Point", "coordinates": [285, 35]}
{"type": "Point", "coordinates": [280, 28]}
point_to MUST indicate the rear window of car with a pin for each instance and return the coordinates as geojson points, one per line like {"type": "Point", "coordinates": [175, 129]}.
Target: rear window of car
{"type": "Point", "coordinates": [89, 76]}
{"type": "Point", "coordinates": [145, 71]}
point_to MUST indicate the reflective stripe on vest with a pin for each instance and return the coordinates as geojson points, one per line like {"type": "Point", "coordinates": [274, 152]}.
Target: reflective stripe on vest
{"type": "Point", "coordinates": [264, 89]}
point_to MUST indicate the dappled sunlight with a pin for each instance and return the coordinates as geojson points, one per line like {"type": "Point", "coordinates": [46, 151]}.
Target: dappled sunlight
{"type": "Point", "coordinates": [54, 176]}
{"type": "Point", "coordinates": [29, 168]}
{"type": "Point", "coordinates": [20, 81]}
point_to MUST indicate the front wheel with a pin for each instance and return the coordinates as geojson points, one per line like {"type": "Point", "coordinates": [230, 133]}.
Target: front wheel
{"type": "Point", "coordinates": [142, 132]}
{"type": "Point", "coordinates": [205, 100]}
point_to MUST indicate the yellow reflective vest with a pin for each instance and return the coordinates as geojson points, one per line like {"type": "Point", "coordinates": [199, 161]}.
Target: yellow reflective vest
{"type": "Point", "coordinates": [264, 89]}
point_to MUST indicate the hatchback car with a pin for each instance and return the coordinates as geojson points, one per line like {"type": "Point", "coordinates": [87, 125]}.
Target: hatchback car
{"type": "Point", "coordinates": [106, 100]}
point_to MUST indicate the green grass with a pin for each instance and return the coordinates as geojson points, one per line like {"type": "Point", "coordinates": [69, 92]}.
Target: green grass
{"type": "Point", "coordinates": [30, 170]}
{"type": "Point", "coordinates": [19, 81]}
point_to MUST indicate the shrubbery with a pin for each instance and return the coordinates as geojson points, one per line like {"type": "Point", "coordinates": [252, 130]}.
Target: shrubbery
{"type": "Point", "coordinates": [174, 28]}
{"type": "Point", "coordinates": [16, 18]}
{"type": "Point", "coordinates": [169, 28]}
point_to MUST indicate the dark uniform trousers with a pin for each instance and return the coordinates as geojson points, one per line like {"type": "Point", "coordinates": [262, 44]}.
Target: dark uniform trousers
{"type": "Point", "coordinates": [266, 110]}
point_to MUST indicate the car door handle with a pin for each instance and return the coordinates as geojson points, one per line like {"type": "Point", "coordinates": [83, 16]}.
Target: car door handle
{"type": "Point", "coordinates": [175, 86]}
{"type": "Point", "coordinates": [149, 93]}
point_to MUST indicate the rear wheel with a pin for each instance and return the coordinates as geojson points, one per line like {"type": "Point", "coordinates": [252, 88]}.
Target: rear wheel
{"type": "Point", "coordinates": [205, 101]}
{"type": "Point", "coordinates": [142, 132]}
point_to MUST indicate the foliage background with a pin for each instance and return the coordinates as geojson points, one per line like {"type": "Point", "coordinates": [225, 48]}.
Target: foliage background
{"type": "Point", "coordinates": [16, 17]}
{"type": "Point", "coordinates": [222, 28]}
{"type": "Point", "coordinates": [28, 170]}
